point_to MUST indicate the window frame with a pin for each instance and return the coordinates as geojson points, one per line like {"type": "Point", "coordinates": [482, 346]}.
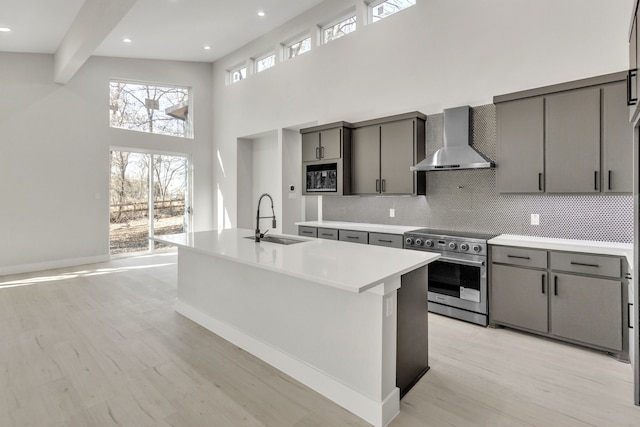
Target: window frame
{"type": "Point", "coordinates": [238, 68]}
{"type": "Point", "coordinates": [262, 57]}
{"type": "Point", "coordinates": [299, 39]}
{"type": "Point", "coordinates": [350, 14]}
{"type": "Point", "coordinates": [376, 3]}
{"type": "Point", "coordinates": [189, 126]}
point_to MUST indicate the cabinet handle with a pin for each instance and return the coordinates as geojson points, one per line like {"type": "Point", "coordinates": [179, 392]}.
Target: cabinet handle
{"type": "Point", "coordinates": [326, 234]}
{"type": "Point", "coordinates": [595, 180]}
{"type": "Point", "coordinates": [543, 283]}
{"type": "Point", "coordinates": [518, 256]}
{"type": "Point", "coordinates": [555, 285]}
{"type": "Point", "coordinates": [584, 264]}
{"type": "Point", "coordinates": [307, 232]}
{"type": "Point", "coordinates": [540, 181]}
{"type": "Point", "coordinates": [322, 152]}
{"type": "Point", "coordinates": [317, 153]}
{"type": "Point", "coordinates": [631, 74]}
{"type": "Point", "coordinates": [352, 237]}
{"type": "Point", "coordinates": [384, 185]}
{"type": "Point", "coordinates": [377, 185]}
{"type": "Point", "coordinates": [629, 325]}
{"type": "Point", "coordinates": [609, 181]}
{"type": "Point", "coordinates": [384, 241]}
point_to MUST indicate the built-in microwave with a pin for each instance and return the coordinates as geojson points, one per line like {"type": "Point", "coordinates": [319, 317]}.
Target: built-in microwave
{"type": "Point", "coordinates": [325, 178]}
{"type": "Point", "coordinates": [322, 178]}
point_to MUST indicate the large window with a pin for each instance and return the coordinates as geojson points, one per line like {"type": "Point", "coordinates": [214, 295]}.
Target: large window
{"type": "Point", "coordinates": [381, 9]}
{"type": "Point", "coordinates": [338, 29]}
{"type": "Point", "coordinates": [150, 108]}
{"type": "Point", "coordinates": [298, 47]}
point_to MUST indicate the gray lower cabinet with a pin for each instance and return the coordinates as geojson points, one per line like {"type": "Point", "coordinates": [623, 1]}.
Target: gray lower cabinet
{"type": "Point", "coordinates": [353, 236]}
{"type": "Point", "coordinates": [574, 297]}
{"type": "Point", "coordinates": [327, 233]}
{"type": "Point", "coordinates": [587, 309]}
{"type": "Point", "coordinates": [520, 131]}
{"type": "Point", "coordinates": [385, 239]}
{"type": "Point", "coordinates": [519, 297]}
{"type": "Point", "coordinates": [307, 231]}
{"type": "Point", "coordinates": [572, 146]}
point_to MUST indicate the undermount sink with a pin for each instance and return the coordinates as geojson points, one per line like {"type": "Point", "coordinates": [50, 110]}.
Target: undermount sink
{"type": "Point", "coordinates": [281, 240]}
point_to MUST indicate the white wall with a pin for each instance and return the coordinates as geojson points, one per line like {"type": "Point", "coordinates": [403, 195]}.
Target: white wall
{"type": "Point", "coordinates": [54, 155]}
{"type": "Point", "coordinates": [438, 54]}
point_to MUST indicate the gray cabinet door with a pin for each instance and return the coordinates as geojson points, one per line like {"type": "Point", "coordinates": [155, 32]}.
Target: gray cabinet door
{"type": "Point", "coordinates": [519, 297]}
{"type": "Point", "coordinates": [331, 143]}
{"type": "Point", "coordinates": [365, 160]}
{"type": "Point", "coordinates": [310, 146]}
{"type": "Point", "coordinates": [520, 129]}
{"type": "Point", "coordinates": [397, 142]}
{"type": "Point", "coordinates": [617, 140]}
{"type": "Point", "coordinates": [587, 309]}
{"type": "Point", "coordinates": [572, 156]}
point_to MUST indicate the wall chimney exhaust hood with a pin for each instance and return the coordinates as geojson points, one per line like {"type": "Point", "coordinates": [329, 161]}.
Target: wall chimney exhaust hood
{"type": "Point", "coordinates": [457, 152]}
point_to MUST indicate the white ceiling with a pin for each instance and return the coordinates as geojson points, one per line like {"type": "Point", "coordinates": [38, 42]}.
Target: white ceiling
{"type": "Point", "coordinates": [159, 29]}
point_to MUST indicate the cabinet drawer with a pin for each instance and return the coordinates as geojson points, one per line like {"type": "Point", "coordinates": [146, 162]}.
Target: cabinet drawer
{"type": "Point", "coordinates": [597, 265]}
{"type": "Point", "coordinates": [328, 233]}
{"type": "Point", "coordinates": [307, 231]}
{"type": "Point", "coordinates": [384, 239]}
{"type": "Point", "coordinates": [519, 256]}
{"type": "Point", "coordinates": [353, 236]}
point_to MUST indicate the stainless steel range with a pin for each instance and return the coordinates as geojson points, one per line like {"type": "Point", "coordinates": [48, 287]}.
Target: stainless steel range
{"type": "Point", "coordinates": [457, 283]}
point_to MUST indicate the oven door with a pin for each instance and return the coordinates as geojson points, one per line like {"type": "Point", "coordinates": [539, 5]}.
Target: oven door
{"type": "Point", "coordinates": [460, 281]}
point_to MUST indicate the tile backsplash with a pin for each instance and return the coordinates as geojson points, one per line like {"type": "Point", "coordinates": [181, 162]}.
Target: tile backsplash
{"type": "Point", "coordinates": [467, 200]}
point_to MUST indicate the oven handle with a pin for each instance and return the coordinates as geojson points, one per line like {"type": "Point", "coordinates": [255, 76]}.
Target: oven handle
{"type": "Point", "coordinates": [461, 261]}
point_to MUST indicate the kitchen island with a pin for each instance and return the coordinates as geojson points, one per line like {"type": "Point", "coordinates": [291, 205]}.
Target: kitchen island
{"type": "Point", "coordinates": [323, 312]}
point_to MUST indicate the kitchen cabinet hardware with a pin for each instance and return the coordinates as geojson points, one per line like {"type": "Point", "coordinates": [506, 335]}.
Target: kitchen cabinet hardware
{"type": "Point", "coordinates": [595, 180]}
{"type": "Point", "coordinates": [542, 283]}
{"type": "Point", "coordinates": [631, 74]}
{"type": "Point", "coordinates": [629, 311]}
{"type": "Point", "coordinates": [385, 241]}
{"type": "Point", "coordinates": [540, 181]}
{"type": "Point", "coordinates": [326, 234]}
{"type": "Point", "coordinates": [584, 264]}
{"type": "Point", "coordinates": [518, 256]}
{"type": "Point", "coordinates": [377, 185]}
{"type": "Point", "coordinates": [609, 180]}
{"type": "Point", "coordinates": [384, 187]}
{"type": "Point", "coordinates": [555, 285]}
{"type": "Point", "coordinates": [352, 237]}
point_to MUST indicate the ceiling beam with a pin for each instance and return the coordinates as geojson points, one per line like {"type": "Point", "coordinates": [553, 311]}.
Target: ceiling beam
{"type": "Point", "coordinates": [94, 22]}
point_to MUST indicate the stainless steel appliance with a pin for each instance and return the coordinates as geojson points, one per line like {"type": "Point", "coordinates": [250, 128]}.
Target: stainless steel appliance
{"type": "Point", "coordinates": [322, 178]}
{"type": "Point", "coordinates": [457, 281]}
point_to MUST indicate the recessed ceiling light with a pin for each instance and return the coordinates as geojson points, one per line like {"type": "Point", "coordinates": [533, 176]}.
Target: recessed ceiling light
{"type": "Point", "coordinates": [261, 13]}
{"type": "Point", "coordinates": [4, 29]}
{"type": "Point", "coordinates": [126, 40]}
{"type": "Point", "coordinates": [207, 47]}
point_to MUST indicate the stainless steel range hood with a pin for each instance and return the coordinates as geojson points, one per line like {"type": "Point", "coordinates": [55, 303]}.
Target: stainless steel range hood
{"type": "Point", "coordinates": [457, 152]}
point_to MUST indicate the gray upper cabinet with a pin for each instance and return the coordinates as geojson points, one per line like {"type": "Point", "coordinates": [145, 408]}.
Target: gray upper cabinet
{"type": "Point", "coordinates": [365, 160]}
{"type": "Point", "coordinates": [520, 129]}
{"type": "Point", "coordinates": [397, 157]}
{"type": "Point", "coordinates": [617, 136]}
{"type": "Point", "coordinates": [382, 152]}
{"type": "Point", "coordinates": [568, 138]}
{"type": "Point", "coordinates": [572, 151]}
{"type": "Point", "coordinates": [324, 142]}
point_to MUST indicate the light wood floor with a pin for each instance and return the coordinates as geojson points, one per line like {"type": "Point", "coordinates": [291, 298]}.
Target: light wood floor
{"type": "Point", "coordinates": [100, 345]}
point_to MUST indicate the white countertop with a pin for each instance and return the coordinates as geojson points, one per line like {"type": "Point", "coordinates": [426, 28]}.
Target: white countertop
{"type": "Point", "coordinates": [569, 245]}
{"type": "Point", "coordinates": [349, 266]}
{"type": "Point", "coordinates": [359, 226]}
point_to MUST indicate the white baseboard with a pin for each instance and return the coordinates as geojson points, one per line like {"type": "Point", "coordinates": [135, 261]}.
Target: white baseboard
{"type": "Point", "coordinates": [49, 265]}
{"type": "Point", "coordinates": [377, 413]}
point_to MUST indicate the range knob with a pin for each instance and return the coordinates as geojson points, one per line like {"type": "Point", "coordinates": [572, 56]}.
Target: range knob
{"type": "Point", "coordinates": [408, 241]}
{"type": "Point", "coordinates": [418, 242]}
{"type": "Point", "coordinates": [453, 245]}
{"type": "Point", "coordinates": [428, 243]}
{"type": "Point", "coordinates": [464, 247]}
{"type": "Point", "coordinates": [476, 248]}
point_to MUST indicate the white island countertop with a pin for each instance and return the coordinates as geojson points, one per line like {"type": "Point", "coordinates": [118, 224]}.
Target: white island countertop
{"type": "Point", "coordinates": [569, 245]}
{"type": "Point", "coordinates": [360, 226]}
{"type": "Point", "coordinates": [348, 266]}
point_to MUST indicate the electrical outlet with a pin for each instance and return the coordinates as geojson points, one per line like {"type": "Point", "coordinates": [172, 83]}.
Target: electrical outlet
{"type": "Point", "coordinates": [535, 219]}
{"type": "Point", "coordinates": [392, 213]}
